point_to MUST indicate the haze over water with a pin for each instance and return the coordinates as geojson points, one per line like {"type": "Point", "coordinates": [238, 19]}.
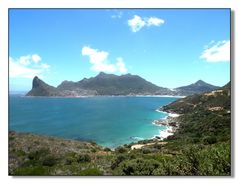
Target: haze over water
{"type": "Point", "coordinates": [109, 121]}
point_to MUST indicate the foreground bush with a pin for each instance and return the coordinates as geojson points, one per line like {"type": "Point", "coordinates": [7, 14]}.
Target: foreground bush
{"type": "Point", "coordinates": [195, 160]}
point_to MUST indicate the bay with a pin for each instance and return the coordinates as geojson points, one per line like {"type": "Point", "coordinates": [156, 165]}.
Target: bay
{"type": "Point", "coordinates": [109, 121]}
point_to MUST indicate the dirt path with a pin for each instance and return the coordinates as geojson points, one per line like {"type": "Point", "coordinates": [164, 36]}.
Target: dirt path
{"type": "Point", "coordinates": [139, 146]}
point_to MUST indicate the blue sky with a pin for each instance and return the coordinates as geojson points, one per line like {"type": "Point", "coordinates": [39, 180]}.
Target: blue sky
{"type": "Point", "coordinates": [168, 47]}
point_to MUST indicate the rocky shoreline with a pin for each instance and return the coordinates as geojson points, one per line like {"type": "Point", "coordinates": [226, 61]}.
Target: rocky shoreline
{"type": "Point", "coordinates": [172, 123]}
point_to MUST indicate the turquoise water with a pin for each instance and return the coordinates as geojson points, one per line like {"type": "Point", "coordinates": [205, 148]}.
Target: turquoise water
{"type": "Point", "coordinates": [109, 121]}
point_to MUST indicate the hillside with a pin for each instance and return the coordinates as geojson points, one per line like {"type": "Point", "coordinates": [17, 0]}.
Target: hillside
{"type": "Point", "coordinates": [205, 101]}
{"type": "Point", "coordinates": [43, 155]}
{"type": "Point", "coordinates": [205, 118]}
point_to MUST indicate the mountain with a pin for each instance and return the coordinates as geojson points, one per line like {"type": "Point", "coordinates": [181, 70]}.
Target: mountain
{"type": "Point", "coordinates": [197, 87]}
{"type": "Point", "coordinates": [216, 98]}
{"type": "Point", "coordinates": [102, 84]}
{"type": "Point", "coordinates": [110, 84]}
{"type": "Point", "coordinates": [40, 88]}
{"type": "Point", "coordinates": [227, 86]}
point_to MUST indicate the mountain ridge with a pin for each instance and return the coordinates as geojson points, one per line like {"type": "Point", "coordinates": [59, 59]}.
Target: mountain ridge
{"type": "Point", "coordinates": [113, 85]}
{"type": "Point", "coordinates": [198, 87]}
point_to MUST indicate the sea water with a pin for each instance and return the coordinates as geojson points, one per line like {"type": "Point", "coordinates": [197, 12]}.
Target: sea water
{"type": "Point", "coordinates": [109, 121]}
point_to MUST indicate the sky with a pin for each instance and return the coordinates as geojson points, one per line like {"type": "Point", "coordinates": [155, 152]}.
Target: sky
{"type": "Point", "coordinates": [168, 47]}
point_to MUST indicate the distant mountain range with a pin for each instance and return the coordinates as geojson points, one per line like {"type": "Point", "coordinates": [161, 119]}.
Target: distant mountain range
{"type": "Point", "coordinates": [195, 88]}
{"type": "Point", "coordinates": [113, 85]}
{"type": "Point", "coordinates": [211, 100]}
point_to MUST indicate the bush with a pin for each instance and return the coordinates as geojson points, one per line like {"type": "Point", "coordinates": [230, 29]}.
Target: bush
{"type": "Point", "coordinates": [93, 150]}
{"type": "Point", "coordinates": [83, 158]}
{"type": "Point", "coordinates": [118, 160]}
{"type": "Point", "coordinates": [31, 171]}
{"type": "Point", "coordinates": [20, 153]}
{"type": "Point", "coordinates": [49, 161]}
{"type": "Point", "coordinates": [195, 140]}
{"type": "Point", "coordinates": [157, 146]}
{"type": "Point", "coordinates": [210, 140]}
{"type": "Point", "coordinates": [138, 167]}
{"type": "Point", "coordinates": [216, 160]}
{"type": "Point", "coordinates": [91, 172]}
{"type": "Point", "coordinates": [107, 149]}
{"type": "Point", "coordinates": [146, 151]}
{"type": "Point", "coordinates": [37, 154]}
{"type": "Point", "coordinates": [192, 157]}
{"type": "Point", "coordinates": [11, 138]}
{"type": "Point", "coordinates": [121, 150]}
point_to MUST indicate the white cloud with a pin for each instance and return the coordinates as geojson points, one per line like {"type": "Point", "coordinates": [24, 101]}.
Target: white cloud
{"type": "Point", "coordinates": [45, 66]}
{"type": "Point", "coordinates": [154, 21]}
{"type": "Point", "coordinates": [36, 58]}
{"type": "Point", "coordinates": [121, 65]}
{"type": "Point", "coordinates": [217, 51]}
{"type": "Point", "coordinates": [27, 66]}
{"type": "Point", "coordinates": [18, 70]}
{"type": "Point", "coordinates": [25, 60]}
{"type": "Point", "coordinates": [100, 63]}
{"type": "Point", "coordinates": [95, 55]}
{"type": "Point", "coordinates": [137, 23]}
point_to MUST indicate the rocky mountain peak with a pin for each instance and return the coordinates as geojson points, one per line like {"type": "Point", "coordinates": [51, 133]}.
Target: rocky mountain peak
{"type": "Point", "coordinates": [36, 82]}
{"type": "Point", "coordinates": [200, 83]}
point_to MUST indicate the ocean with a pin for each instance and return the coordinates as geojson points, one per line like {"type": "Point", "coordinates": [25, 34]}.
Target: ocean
{"type": "Point", "coordinates": [108, 121]}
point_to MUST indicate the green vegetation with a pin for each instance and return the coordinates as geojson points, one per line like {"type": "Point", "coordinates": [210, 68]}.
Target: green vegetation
{"type": "Point", "coordinates": [200, 147]}
{"type": "Point", "coordinates": [32, 171]}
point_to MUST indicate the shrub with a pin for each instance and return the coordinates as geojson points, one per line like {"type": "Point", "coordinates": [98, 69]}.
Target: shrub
{"type": "Point", "coordinates": [37, 154]}
{"type": "Point", "coordinates": [210, 140]}
{"type": "Point", "coordinates": [107, 149]}
{"type": "Point", "coordinates": [49, 161]}
{"type": "Point", "coordinates": [157, 146]}
{"type": "Point", "coordinates": [11, 138]}
{"type": "Point", "coordinates": [91, 172]}
{"type": "Point", "coordinates": [121, 150]}
{"type": "Point", "coordinates": [216, 160]}
{"type": "Point", "coordinates": [146, 151]}
{"type": "Point", "coordinates": [83, 158]}
{"type": "Point", "coordinates": [192, 157]}
{"type": "Point", "coordinates": [195, 140]}
{"type": "Point", "coordinates": [93, 150]}
{"type": "Point", "coordinates": [138, 167]}
{"type": "Point", "coordinates": [33, 171]}
{"type": "Point", "coordinates": [118, 160]}
{"type": "Point", "coordinates": [20, 153]}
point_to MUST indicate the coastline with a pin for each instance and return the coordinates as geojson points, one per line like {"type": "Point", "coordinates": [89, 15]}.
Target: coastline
{"type": "Point", "coordinates": [92, 96]}
{"type": "Point", "coordinates": [171, 123]}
